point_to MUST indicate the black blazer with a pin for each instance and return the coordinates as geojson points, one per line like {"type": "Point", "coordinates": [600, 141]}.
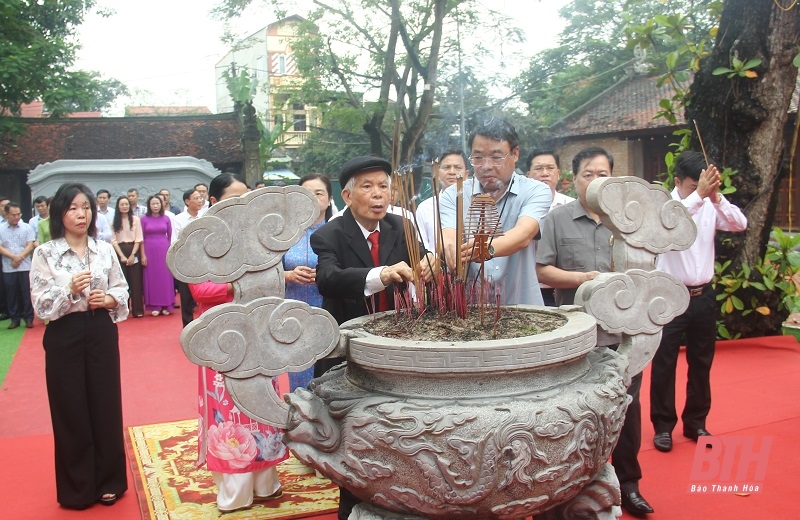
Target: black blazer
{"type": "Point", "coordinates": [344, 261]}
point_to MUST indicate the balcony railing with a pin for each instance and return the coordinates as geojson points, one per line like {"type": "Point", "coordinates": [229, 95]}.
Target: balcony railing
{"type": "Point", "coordinates": [293, 139]}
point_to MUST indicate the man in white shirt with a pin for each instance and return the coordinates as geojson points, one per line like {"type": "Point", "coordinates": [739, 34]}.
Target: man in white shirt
{"type": "Point", "coordinates": [202, 189]}
{"type": "Point", "coordinates": [103, 199]}
{"type": "Point", "coordinates": [452, 164]}
{"type": "Point", "coordinates": [103, 228]}
{"type": "Point", "coordinates": [194, 203]}
{"type": "Point", "coordinates": [16, 244]}
{"type": "Point", "coordinates": [543, 166]}
{"type": "Point", "coordinates": [3, 310]}
{"type": "Point", "coordinates": [697, 187]}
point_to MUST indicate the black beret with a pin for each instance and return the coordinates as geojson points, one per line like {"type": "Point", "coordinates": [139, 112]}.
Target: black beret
{"type": "Point", "coordinates": [361, 164]}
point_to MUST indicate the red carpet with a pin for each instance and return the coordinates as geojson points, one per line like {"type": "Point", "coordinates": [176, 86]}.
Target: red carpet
{"type": "Point", "coordinates": [755, 386]}
{"type": "Point", "coordinates": [754, 389]}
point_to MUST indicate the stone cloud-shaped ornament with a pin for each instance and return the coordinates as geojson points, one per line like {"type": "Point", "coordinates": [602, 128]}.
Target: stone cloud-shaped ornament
{"type": "Point", "coordinates": [644, 217]}
{"type": "Point", "coordinates": [242, 234]}
{"type": "Point", "coordinates": [636, 300]}
{"type": "Point", "coordinates": [259, 335]}
{"type": "Point", "coordinates": [289, 335]}
{"type": "Point", "coordinates": [280, 327]}
{"type": "Point", "coordinates": [617, 300]}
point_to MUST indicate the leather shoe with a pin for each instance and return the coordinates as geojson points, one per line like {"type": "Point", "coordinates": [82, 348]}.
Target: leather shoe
{"type": "Point", "coordinates": [663, 441]}
{"type": "Point", "coordinates": [13, 325]}
{"type": "Point", "coordinates": [635, 504]}
{"type": "Point", "coordinates": [29, 324]}
{"type": "Point", "coordinates": [695, 434]}
{"type": "Point", "coordinates": [3, 316]}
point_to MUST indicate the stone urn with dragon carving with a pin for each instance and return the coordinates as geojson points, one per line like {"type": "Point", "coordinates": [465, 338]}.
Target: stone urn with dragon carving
{"type": "Point", "coordinates": [501, 429]}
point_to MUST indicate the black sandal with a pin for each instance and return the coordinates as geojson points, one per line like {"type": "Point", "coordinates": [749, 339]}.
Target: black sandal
{"type": "Point", "coordinates": [109, 499]}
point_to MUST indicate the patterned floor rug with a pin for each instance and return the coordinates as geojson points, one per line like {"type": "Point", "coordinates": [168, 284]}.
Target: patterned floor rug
{"type": "Point", "coordinates": [171, 487]}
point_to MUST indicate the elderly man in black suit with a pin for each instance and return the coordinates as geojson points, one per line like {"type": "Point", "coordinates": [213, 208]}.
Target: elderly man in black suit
{"type": "Point", "coordinates": [362, 256]}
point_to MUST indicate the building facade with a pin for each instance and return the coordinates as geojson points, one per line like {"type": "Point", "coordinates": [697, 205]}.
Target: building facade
{"type": "Point", "coordinates": [267, 56]}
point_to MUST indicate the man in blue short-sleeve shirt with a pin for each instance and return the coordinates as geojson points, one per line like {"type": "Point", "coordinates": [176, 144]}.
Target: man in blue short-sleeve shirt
{"type": "Point", "coordinates": [521, 202]}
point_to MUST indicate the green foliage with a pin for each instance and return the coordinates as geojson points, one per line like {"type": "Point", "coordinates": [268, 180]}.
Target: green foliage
{"type": "Point", "coordinates": [443, 129]}
{"type": "Point", "coordinates": [566, 185]}
{"type": "Point", "coordinates": [677, 41]}
{"type": "Point", "coordinates": [765, 291]}
{"type": "Point", "coordinates": [741, 68]}
{"type": "Point", "coordinates": [270, 141]}
{"type": "Point", "coordinates": [338, 139]}
{"type": "Point", "coordinates": [242, 87]}
{"type": "Point", "coordinates": [37, 52]}
{"type": "Point", "coordinates": [385, 59]}
{"type": "Point", "coordinates": [603, 40]}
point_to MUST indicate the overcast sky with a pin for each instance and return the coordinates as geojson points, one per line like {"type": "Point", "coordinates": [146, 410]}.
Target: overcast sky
{"type": "Point", "coordinates": [167, 49]}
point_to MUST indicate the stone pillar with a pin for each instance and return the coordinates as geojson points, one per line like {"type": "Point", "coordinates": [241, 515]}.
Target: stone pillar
{"type": "Point", "coordinates": [251, 138]}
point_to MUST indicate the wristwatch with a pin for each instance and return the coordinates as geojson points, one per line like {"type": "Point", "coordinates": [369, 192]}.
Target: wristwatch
{"type": "Point", "coordinates": [490, 250]}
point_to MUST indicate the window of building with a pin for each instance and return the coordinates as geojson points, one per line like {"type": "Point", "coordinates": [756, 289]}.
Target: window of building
{"type": "Point", "coordinates": [261, 67]}
{"type": "Point", "coordinates": [299, 123]}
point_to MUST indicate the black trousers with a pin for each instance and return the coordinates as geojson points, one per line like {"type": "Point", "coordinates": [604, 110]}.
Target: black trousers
{"type": "Point", "coordinates": [83, 388]}
{"type": "Point", "coordinates": [548, 296]}
{"type": "Point", "coordinates": [187, 303]}
{"type": "Point", "coordinates": [18, 296]}
{"type": "Point", "coordinates": [133, 275]}
{"type": "Point", "coordinates": [3, 306]}
{"type": "Point", "coordinates": [697, 329]}
{"type": "Point", "coordinates": [625, 457]}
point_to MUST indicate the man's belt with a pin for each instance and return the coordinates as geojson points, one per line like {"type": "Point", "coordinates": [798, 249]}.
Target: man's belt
{"type": "Point", "coordinates": [697, 290]}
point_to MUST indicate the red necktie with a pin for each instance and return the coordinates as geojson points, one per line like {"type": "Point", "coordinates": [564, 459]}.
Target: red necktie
{"type": "Point", "coordinates": [383, 297]}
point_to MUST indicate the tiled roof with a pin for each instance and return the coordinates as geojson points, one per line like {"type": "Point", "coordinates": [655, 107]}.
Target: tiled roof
{"type": "Point", "coordinates": [36, 109]}
{"type": "Point", "coordinates": [627, 106]}
{"type": "Point", "coordinates": [215, 138]}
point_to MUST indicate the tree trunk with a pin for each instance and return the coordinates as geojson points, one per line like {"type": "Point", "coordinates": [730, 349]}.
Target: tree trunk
{"type": "Point", "coordinates": [741, 120]}
{"type": "Point", "coordinates": [417, 127]}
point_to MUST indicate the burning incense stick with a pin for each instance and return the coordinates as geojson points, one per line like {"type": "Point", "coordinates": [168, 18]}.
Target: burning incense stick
{"type": "Point", "coordinates": [700, 138]}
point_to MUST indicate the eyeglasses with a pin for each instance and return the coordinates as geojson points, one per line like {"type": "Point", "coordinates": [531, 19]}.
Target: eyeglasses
{"type": "Point", "coordinates": [453, 167]}
{"type": "Point", "coordinates": [549, 168]}
{"type": "Point", "coordinates": [496, 160]}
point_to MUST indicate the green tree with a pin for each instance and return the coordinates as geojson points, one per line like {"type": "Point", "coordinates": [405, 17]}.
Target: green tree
{"type": "Point", "coordinates": [338, 138]}
{"type": "Point", "coordinates": [242, 88]}
{"type": "Point", "coordinates": [384, 57]}
{"type": "Point", "coordinates": [595, 52]}
{"type": "Point", "coordinates": [742, 117]}
{"type": "Point", "coordinates": [37, 52]}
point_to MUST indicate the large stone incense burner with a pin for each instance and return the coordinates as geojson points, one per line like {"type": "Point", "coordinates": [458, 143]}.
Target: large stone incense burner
{"type": "Point", "coordinates": [476, 429]}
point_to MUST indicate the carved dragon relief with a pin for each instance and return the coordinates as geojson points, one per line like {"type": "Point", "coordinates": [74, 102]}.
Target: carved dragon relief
{"type": "Point", "coordinates": [463, 451]}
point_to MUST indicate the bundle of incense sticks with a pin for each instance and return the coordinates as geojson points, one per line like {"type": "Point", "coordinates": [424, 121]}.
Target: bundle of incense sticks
{"type": "Point", "coordinates": [403, 186]}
